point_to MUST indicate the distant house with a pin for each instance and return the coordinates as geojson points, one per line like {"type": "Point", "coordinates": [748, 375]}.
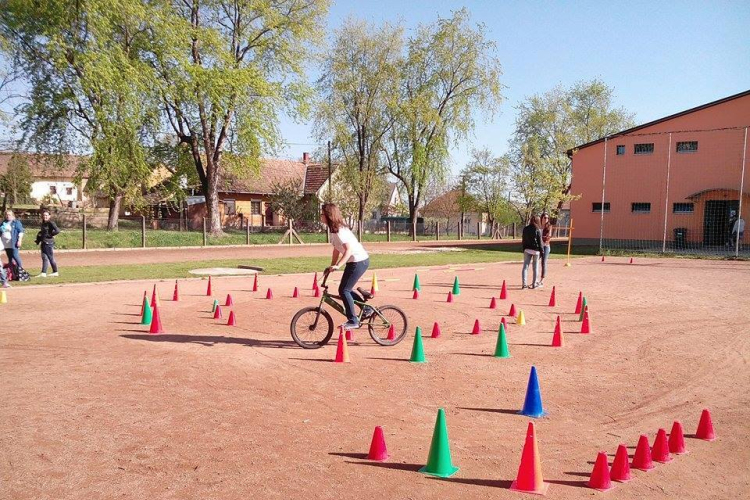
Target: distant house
{"type": "Point", "coordinates": [50, 180]}
{"type": "Point", "coordinates": [445, 209]}
{"type": "Point", "coordinates": [387, 208]}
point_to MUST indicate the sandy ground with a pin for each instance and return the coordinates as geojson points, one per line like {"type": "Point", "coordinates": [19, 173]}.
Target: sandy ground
{"type": "Point", "coordinates": [94, 407]}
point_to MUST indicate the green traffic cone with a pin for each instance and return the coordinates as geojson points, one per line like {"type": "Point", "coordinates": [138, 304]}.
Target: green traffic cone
{"type": "Point", "coordinates": [583, 309]}
{"type": "Point", "coordinates": [146, 318]}
{"type": "Point", "coordinates": [216, 303]}
{"type": "Point", "coordinates": [501, 349]}
{"type": "Point", "coordinates": [416, 283]}
{"type": "Point", "coordinates": [439, 461]}
{"type": "Point", "coordinates": [456, 288]}
{"type": "Point", "coordinates": [417, 351]}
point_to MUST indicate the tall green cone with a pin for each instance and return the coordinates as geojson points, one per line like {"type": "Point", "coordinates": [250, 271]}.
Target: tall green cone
{"type": "Point", "coordinates": [146, 318]}
{"type": "Point", "coordinates": [583, 308]}
{"type": "Point", "coordinates": [416, 283]}
{"type": "Point", "coordinates": [501, 349]}
{"type": "Point", "coordinates": [417, 350]}
{"type": "Point", "coordinates": [439, 461]}
{"type": "Point", "coordinates": [456, 288]}
{"type": "Point", "coordinates": [216, 303]}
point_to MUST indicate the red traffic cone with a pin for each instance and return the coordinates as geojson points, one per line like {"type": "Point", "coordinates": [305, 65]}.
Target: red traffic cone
{"type": "Point", "coordinates": [176, 294]}
{"type": "Point", "coordinates": [450, 297]}
{"type": "Point", "coordinates": [579, 304]}
{"type": "Point", "coordinates": [529, 478]}
{"type": "Point", "coordinates": [317, 292]}
{"type": "Point", "coordinates": [502, 320]}
{"type": "Point", "coordinates": [269, 294]}
{"type": "Point", "coordinates": [348, 335]}
{"type": "Point", "coordinates": [512, 312]}
{"type": "Point", "coordinates": [295, 293]}
{"type": "Point", "coordinates": [378, 450]}
{"type": "Point", "coordinates": [477, 329]}
{"type": "Point", "coordinates": [255, 283]}
{"type": "Point", "coordinates": [342, 350]}
{"type": "Point", "coordinates": [677, 439]}
{"type": "Point", "coordinates": [372, 291]}
{"type": "Point", "coordinates": [620, 467]}
{"type": "Point", "coordinates": [642, 458]}
{"type": "Point", "coordinates": [209, 292]}
{"type": "Point", "coordinates": [315, 281]}
{"type": "Point", "coordinates": [552, 298]}
{"type": "Point", "coordinates": [660, 450]}
{"type": "Point", "coordinates": [557, 338]}
{"type": "Point", "coordinates": [154, 296]}
{"type": "Point", "coordinates": [631, 260]}
{"type": "Point", "coordinates": [143, 303]}
{"type": "Point", "coordinates": [435, 330]}
{"type": "Point", "coordinates": [229, 301]}
{"type": "Point", "coordinates": [415, 295]}
{"type": "Point", "coordinates": [600, 479]}
{"type": "Point", "coordinates": [391, 333]}
{"type": "Point", "coordinates": [602, 258]}
{"type": "Point", "coordinates": [232, 321]}
{"type": "Point", "coordinates": [586, 325]}
{"type": "Point", "coordinates": [217, 312]}
{"type": "Point", "coordinates": [705, 427]}
{"type": "Point", "coordinates": [156, 322]}
{"type": "Point", "coordinates": [493, 303]}
{"type": "Point", "coordinates": [503, 292]}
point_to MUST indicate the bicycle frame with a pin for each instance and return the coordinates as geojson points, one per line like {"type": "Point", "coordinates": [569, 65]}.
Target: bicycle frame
{"type": "Point", "coordinates": [331, 301]}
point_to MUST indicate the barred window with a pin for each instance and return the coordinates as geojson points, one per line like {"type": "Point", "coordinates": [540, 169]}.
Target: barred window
{"type": "Point", "coordinates": [640, 208]}
{"type": "Point", "coordinates": [597, 207]}
{"type": "Point", "coordinates": [683, 208]}
{"type": "Point", "coordinates": [620, 149]}
{"type": "Point", "coordinates": [644, 149]}
{"type": "Point", "coordinates": [687, 147]}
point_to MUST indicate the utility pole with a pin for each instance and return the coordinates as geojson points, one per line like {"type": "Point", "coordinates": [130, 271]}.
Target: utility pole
{"type": "Point", "coordinates": [330, 196]}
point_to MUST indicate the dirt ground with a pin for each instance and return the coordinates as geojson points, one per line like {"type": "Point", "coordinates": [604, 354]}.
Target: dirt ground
{"type": "Point", "coordinates": [94, 407]}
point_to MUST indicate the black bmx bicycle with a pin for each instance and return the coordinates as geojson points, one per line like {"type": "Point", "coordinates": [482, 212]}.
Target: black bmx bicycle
{"type": "Point", "coordinates": [312, 326]}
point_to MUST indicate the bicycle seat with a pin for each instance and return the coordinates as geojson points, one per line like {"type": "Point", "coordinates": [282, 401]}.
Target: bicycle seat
{"type": "Point", "coordinates": [365, 294]}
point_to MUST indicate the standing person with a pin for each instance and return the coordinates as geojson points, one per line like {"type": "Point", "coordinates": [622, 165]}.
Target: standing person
{"type": "Point", "coordinates": [11, 232]}
{"type": "Point", "coordinates": [729, 239]}
{"type": "Point", "coordinates": [46, 238]}
{"type": "Point", "coordinates": [546, 239]}
{"type": "Point", "coordinates": [349, 252]}
{"type": "Point", "coordinates": [532, 247]}
{"type": "Point", "coordinates": [738, 230]}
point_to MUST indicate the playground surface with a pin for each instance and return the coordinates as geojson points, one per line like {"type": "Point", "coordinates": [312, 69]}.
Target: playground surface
{"type": "Point", "coordinates": [95, 407]}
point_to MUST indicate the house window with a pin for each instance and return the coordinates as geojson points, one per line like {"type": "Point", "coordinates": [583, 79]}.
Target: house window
{"type": "Point", "coordinates": [640, 208]}
{"type": "Point", "coordinates": [687, 147]}
{"type": "Point", "coordinates": [620, 149]}
{"type": "Point", "coordinates": [231, 207]}
{"type": "Point", "coordinates": [69, 191]}
{"type": "Point", "coordinates": [597, 207]}
{"type": "Point", "coordinates": [683, 208]}
{"type": "Point", "coordinates": [254, 208]}
{"type": "Point", "coordinates": [53, 190]}
{"type": "Point", "coordinates": [644, 149]}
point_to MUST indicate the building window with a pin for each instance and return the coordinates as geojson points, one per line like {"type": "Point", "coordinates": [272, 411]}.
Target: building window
{"type": "Point", "coordinates": [620, 149]}
{"type": "Point", "coordinates": [231, 207]}
{"type": "Point", "coordinates": [53, 190]}
{"type": "Point", "coordinates": [687, 147]}
{"type": "Point", "coordinates": [643, 149]}
{"type": "Point", "coordinates": [640, 208]}
{"type": "Point", "coordinates": [69, 191]}
{"type": "Point", "coordinates": [597, 207]}
{"type": "Point", "coordinates": [254, 208]}
{"type": "Point", "coordinates": [683, 208]}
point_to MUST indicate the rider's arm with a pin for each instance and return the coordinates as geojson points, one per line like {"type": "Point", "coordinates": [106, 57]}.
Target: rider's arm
{"type": "Point", "coordinates": [344, 258]}
{"type": "Point", "coordinates": [334, 257]}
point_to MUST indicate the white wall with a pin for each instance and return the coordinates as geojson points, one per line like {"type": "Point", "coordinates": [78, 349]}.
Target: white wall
{"type": "Point", "coordinates": [40, 189]}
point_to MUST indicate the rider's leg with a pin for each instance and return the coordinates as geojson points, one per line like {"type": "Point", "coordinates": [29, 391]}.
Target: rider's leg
{"type": "Point", "coordinates": [352, 273]}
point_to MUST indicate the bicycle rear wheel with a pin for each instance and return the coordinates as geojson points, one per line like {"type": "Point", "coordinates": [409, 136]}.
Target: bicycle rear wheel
{"type": "Point", "coordinates": [380, 325]}
{"type": "Point", "coordinates": [308, 333]}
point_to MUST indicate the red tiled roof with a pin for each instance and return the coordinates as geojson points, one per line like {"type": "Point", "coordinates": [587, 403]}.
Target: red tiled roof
{"type": "Point", "coordinates": [271, 172]}
{"type": "Point", "coordinates": [45, 165]}
{"type": "Point", "coordinates": [317, 175]}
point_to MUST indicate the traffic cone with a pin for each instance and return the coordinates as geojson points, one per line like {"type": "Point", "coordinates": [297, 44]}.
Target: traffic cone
{"type": "Point", "coordinates": [374, 288]}
{"type": "Point", "coordinates": [255, 283]}
{"type": "Point", "coordinates": [416, 285]}
{"type": "Point", "coordinates": [415, 295]}
{"type": "Point", "coordinates": [348, 335]}
{"type": "Point", "coordinates": [269, 294]}
{"type": "Point", "coordinates": [229, 301]}
{"type": "Point", "coordinates": [342, 349]}
{"type": "Point", "coordinates": [378, 451]}
{"type": "Point", "coordinates": [450, 298]}
{"type": "Point", "coordinates": [631, 260]}
{"type": "Point", "coordinates": [315, 281]}
{"type": "Point", "coordinates": [295, 293]}
{"type": "Point", "coordinates": [586, 325]}
{"type": "Point", "coordinates": [677, 439]}
{"type": "Point", "coordinates": [503, 292]}
{"type": "Point", "coordinates": [493, 303]}
{"type": "Point", "coordinates": [521, 319]}
{"type": "Point", "coordinates": [232, 320]}
{"type": "Point", "coordinates": [557, 338]}
{"type": "Point", "coordinates": [435, 330]}
{"type": "Point", "coordinates": [417, 350]}
{"type": "Point", "coordinates": [154, 296]}
{"type": "Point", "coordinates": [529, 478]}
{"type": "Point", "coordinates": [600, 478]}
{"type": "Point", "coordinates": [552, 298]}
{"type": "Point", "coordinates": [439, 461]}
{"type": "Point", "coordinates": [620, 467]}
{"type": "Point", "coordinates": [209, 292]}
{"type": "Point", "coordinates": [176, 294]}
{"type": "Point", "coordinates": [602, 258]}
{"type": "Point", "coordinates": [456, 288]}
{"type": "Point", "coordinates": [391, 333]}
{"type": "Point", "coordinates": [642, 458]}
{"type": "Point", "coordinates": [579, 304]}
{"type": "Point", "coordinates": [217, 312]}
{"type": "Point", "coordinates": [156, 322]}
{"type": "Point", "coordinates": [143, 302]}
{"type": "Point", "coordinates": [660, 450]}
{"type": "Point", "coordinates": [3, 297]}
{"type": "Point", "coordinates": [584, 304]}
{"type": "Point", "coordinates": [502, 322]}
{"type": "Point", "coordinates": [317, 292]}
{"type": "Point", "coordinates": [216, 304]}
{"type": "Point", "coordinates": [532, 405]}
{"type": "Point", "coordinates": [705, 427]}
{"type": "Point", "coordinates": [501, 348]}
{"type": "Point", "coordinates": [477, 328]}
{"type": "Point", "coordinates": [146, 317]}
{"type": "Point", "coordinates": [512, 312]}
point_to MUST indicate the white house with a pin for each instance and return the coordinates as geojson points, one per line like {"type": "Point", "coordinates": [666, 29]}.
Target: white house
{"type": "Point", "coordinates": [50, 179]}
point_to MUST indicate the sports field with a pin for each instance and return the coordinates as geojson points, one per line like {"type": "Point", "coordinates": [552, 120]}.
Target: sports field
{"type": "Point", "coordinates": [95, 407]}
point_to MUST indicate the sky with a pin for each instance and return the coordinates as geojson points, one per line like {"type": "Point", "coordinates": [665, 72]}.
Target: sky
{"type": "Point", "coordinates": [661, 57]}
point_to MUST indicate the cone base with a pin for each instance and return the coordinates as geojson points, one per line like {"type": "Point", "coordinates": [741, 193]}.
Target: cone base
{"type": "Point", "coordinates": [706, 439]}
{"type": "Point", "coordinates": [665, 461]}
{"type": "Point", "coordinates": [533, 415]}
{"type": "Point", "coordinates": [541, 491]}
{"type": "Point", "coordinates": [422, 361]}
{"type": "Point", "coordinates": [447, 473]}
{"type": "Point", "coordinates": [626, 480]}
{"type": "Point", "coordinates": [500, 356]}
{"type": "Point", "coordinates": [599, 489]}
{"type": "Point", "coordinates": [644, 469]}
{"type": "Point", "coordinates": [379, 459]}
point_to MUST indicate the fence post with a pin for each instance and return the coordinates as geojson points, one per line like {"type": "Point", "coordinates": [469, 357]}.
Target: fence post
{"type": "Point", "coordinates": [388, 230]}
{"type": "Point", "coordinates": [262, 223]}
{"type": "Point", "coordinates": [143, 231]}
{"type": "Point", "coordinates": [247, 231]}
{"type": "Point", "coordinates": [84, 231]}
{"type": "Point", "coordinates": [204, 231]}
{"type": "Point", "coordinates": [414, 230]}
{"type": "Point", "coordinates": [290, 231]}
{"type": "Point", "coordinates": [437, 230]}
{"type": "Point", "coordinates": [460, 229]}
{"type": "Point", "coordinates": [514, 230]}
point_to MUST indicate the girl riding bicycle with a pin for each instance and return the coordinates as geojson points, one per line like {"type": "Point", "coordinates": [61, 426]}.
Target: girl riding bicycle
{"type": "Point", "coordinates": [346, 250]}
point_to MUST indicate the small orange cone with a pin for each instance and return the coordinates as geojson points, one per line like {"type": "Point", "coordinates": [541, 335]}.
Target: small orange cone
{"type": "Point", "coordinates": [232, 321]}
{"type": "Point", "coordinates": [342, 350]}
{"type": "Point", "coordinates": [415, 295]}
{"type": "Point", "coordinates": [620, 467]}
{"type": "Point", "coordinates": [295, 293]}
{"type": "Point", "coordinates": [209, 292]}
{"type": "Point", "coordinates": [705, 427]}
{"type": "Point", "coordinates": [269, 294]}
{"type": "Point", "coordinates": [557, 338]}
{"type": "Point", "coordinates": [552, 298]}
{"type": "Point", "coordinates": [477, 329]}
{"type": "Point", "coordinates": [677, 439]}
{"type": "Point", "coordinates": [503, 292]}
{"type": "Point", "coordinates": [660, 450]}
{"type": "Point", "coordinates": [391, 333]}
{"type": "Point", "coordinates": [156, 322]}
{"type": "Point", "coordinates": [435, 330]}
{"type": "Point", "coordinates": [600, 479]}
{"type": "Point", "coordinates": [493, 303]}
{"type": "Point", "coordinates": [217, 312]}
{"type": "Point", "coordinates": [586, 325]}
{"type": "Point", "coordinates": [229, 301]}
{"type": "Point", "coordinates": [255, 283]}
{"type": "Point", "coordinates": [176, 294]}
{"type": "Point", "coordinates": [450, 297]}
{"type": "Point", "coordinates": [529, 478]}
{"type": "Point", "coordinates": [512, 312]}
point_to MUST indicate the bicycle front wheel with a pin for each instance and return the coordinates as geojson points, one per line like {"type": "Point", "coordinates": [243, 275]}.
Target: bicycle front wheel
{"type": "Point", "coordinates": [311, 327]}
{"type": "Point", "coordinates": [380, 325]}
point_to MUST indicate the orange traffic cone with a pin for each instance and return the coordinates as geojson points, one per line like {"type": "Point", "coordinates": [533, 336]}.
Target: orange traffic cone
{"type": "Point", "coordinates": [705, 427]}
{"type": "Point", "coordinates": [209, 292]}
{"type": "Point", "coordinates": [156, 322]}
{"type": "Point", "coordinates": [342, 350]}
{"type": "Point", "coordinates": [600, 479]}
{"type": "Point", "coordinates": [176, 294]}
{"type": "Point", "coordinates": [552, 298]}
{"type": "Point", "coordinates": [529, 478]}
{"type": "Point", "coordinates": [586, 325]}
{"type": "Point", "coordinates": [232, 321]}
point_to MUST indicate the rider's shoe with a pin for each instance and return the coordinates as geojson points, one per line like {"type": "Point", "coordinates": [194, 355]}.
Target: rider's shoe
{"type": "Point", "coordinates": [351, 325]}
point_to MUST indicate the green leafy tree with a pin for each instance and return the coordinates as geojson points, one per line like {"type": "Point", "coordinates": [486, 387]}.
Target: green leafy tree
{"type": "Point", "coordinates": [287, 199]}
{"type": "Point", "coordinates": [487, 180]}
{"type": "Point", "coordinates": [16, 181]}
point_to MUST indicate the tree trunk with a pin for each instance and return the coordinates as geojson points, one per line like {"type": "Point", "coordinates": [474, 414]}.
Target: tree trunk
{"type": "Point", "coordinates": [412, 217]}
{"type": "Point", "coordinates": [114, 212]}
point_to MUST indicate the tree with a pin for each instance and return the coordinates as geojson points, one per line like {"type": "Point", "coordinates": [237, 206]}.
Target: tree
{"type": "Point", "coordinates": [449, 70]}
{"type": "Point", "coordinates": [358, 82]}
{"type": "Point", "coordinates": [226, 68]}
{"type": "Point", "coordinates": [487, 180]}
{"type": "Point", "coordinates": [16, 182]}
{"type": "Point", "coordinates": [287, 199]}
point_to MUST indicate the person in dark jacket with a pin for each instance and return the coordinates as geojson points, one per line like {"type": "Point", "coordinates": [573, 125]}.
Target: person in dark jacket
{"type": "Point", "coordinates": [546, 239]}
{"type": "Point", "coordinates": [46, 237]}
{"type": "Point", "coordinates": [532, 248]}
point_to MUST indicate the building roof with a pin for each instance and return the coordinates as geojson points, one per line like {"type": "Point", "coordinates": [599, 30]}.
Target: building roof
{"type": "Point", "coordinates": [46, 166]}
{"type": "Point", "coordinates": [443, 205]}
{"type": "Point", "coordinates": [316, 176]}
{"type": "Point", "coordinates": [660, 120]}
{"type": "Point", "coordinates": [311, 177]}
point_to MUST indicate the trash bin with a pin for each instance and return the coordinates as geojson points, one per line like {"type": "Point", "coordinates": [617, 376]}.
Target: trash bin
{"type": "Point", "coordinates": [680, 237]}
